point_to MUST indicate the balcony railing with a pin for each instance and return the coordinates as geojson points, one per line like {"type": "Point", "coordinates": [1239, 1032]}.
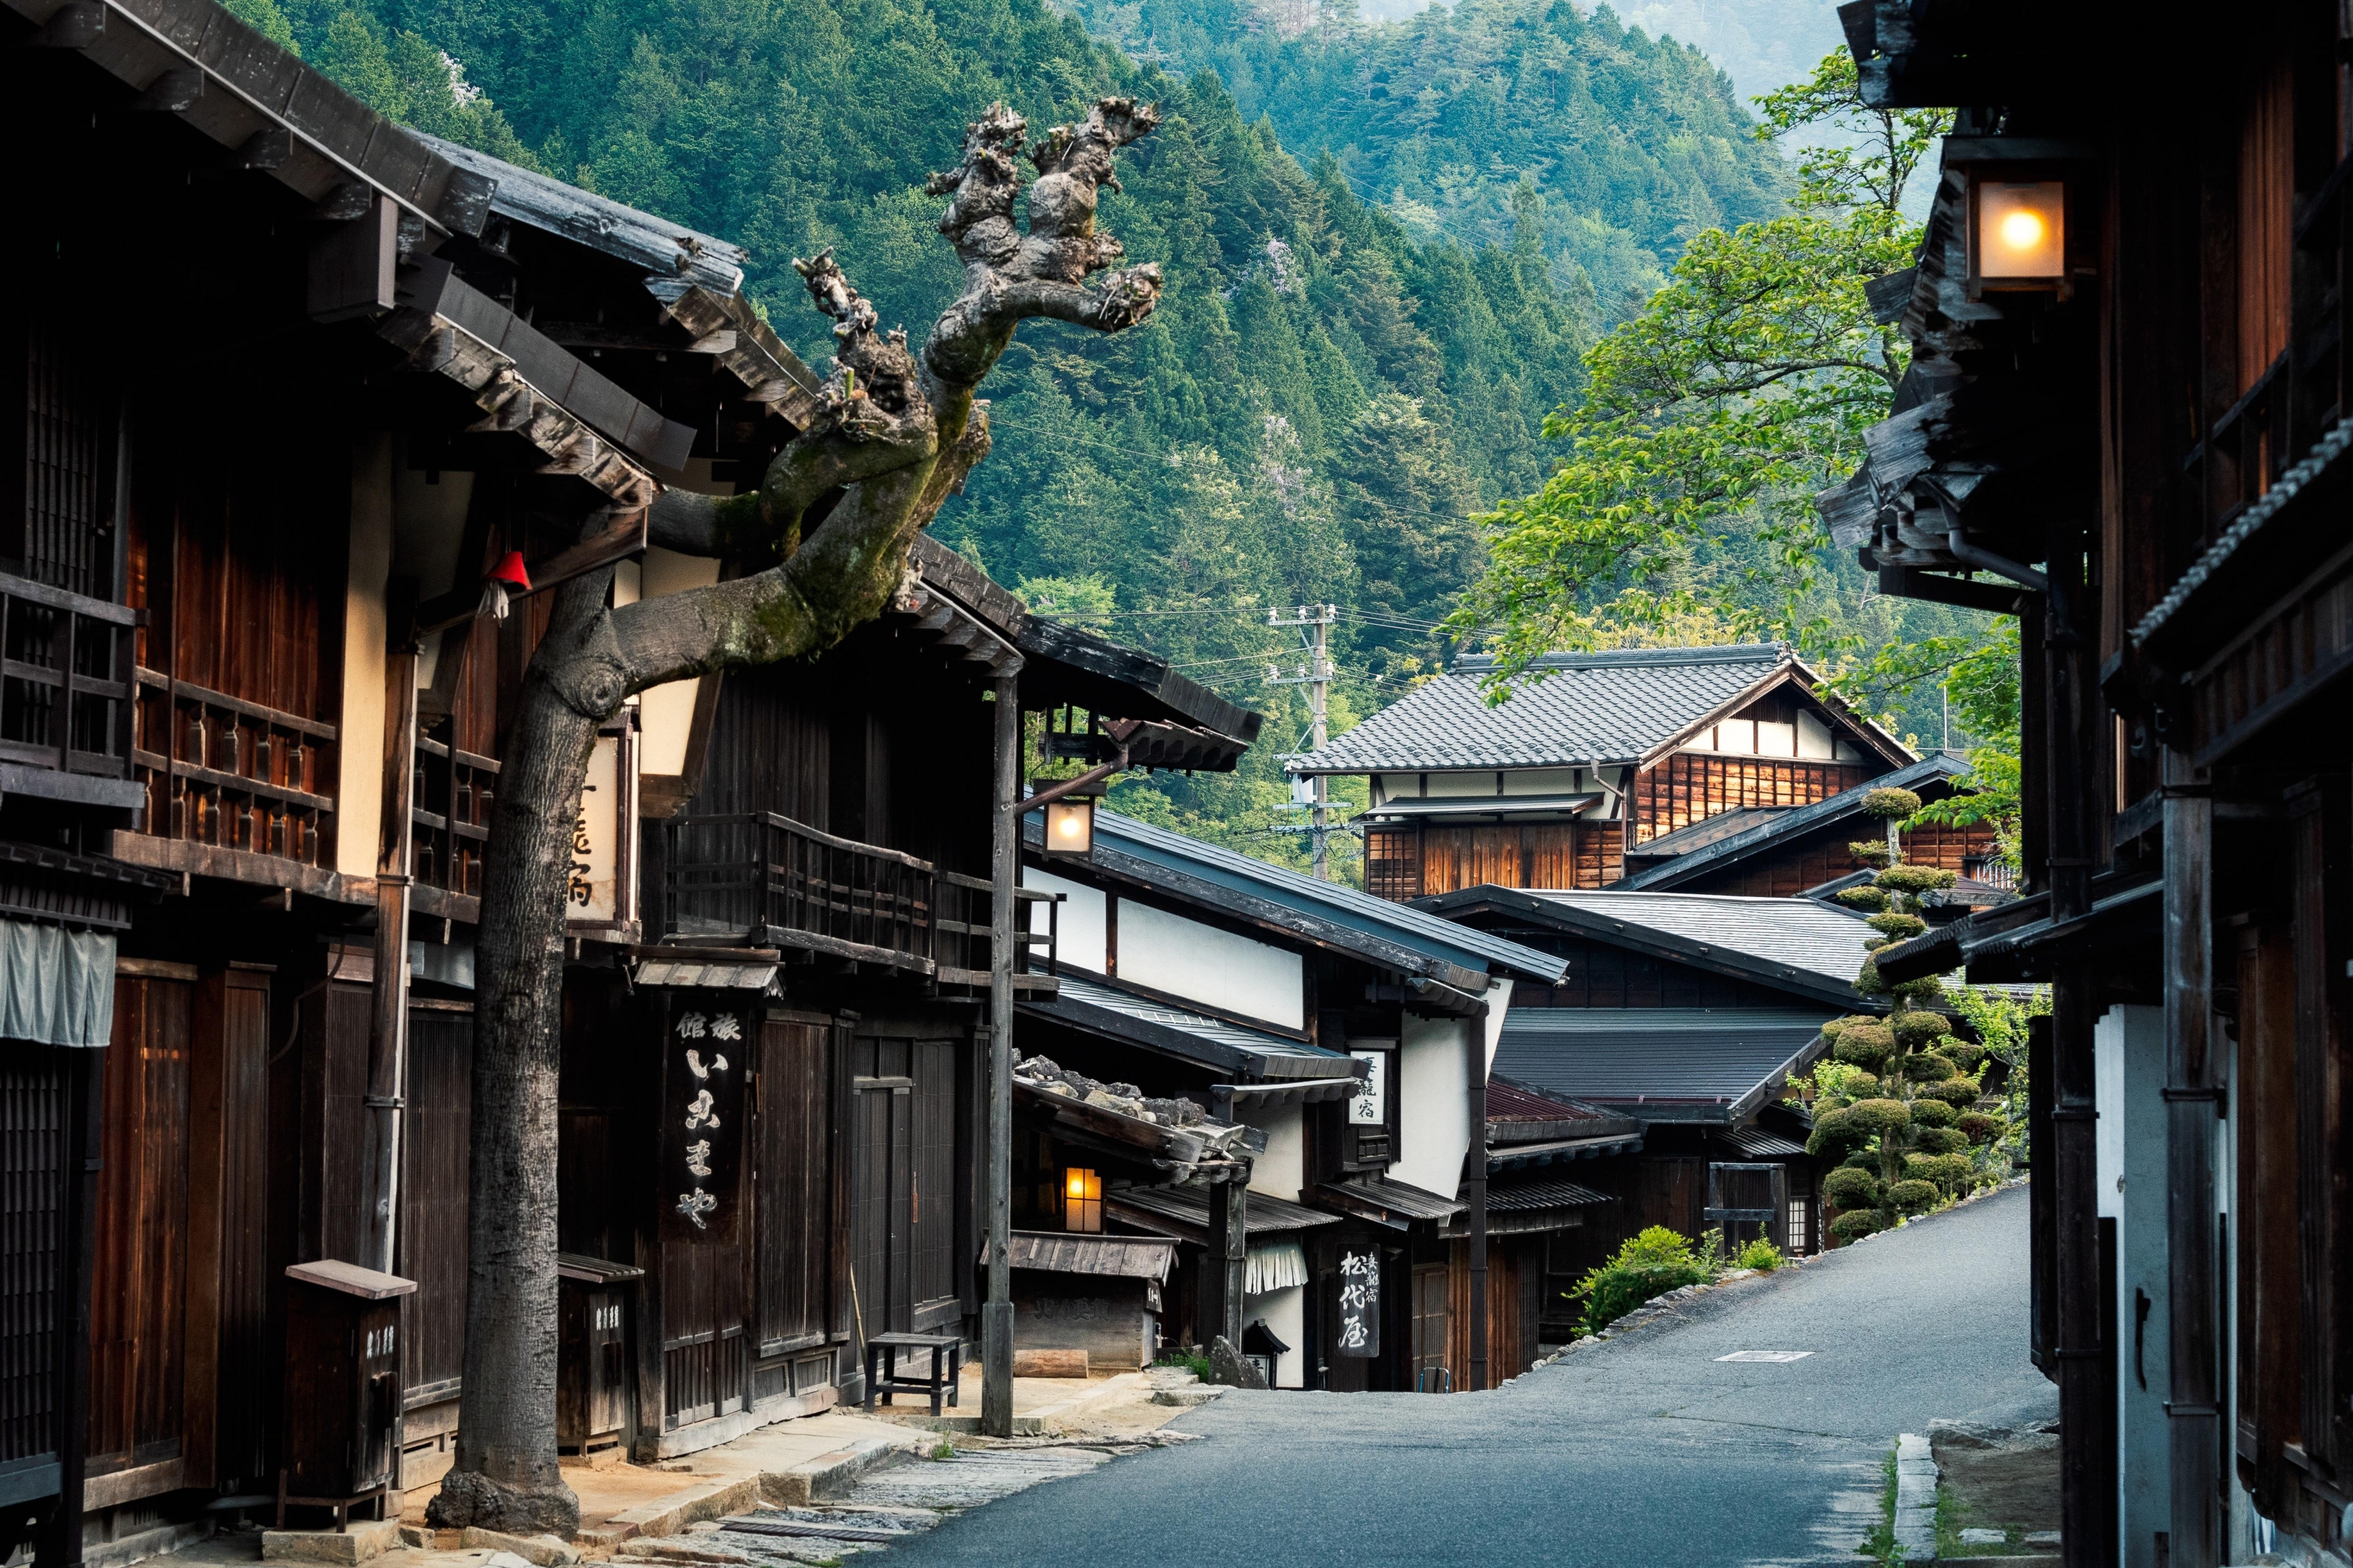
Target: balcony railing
{"type": "Point", "coordinates": [454, 789]}
{"type": "Point", "coordinates": [760, 879]}
{"type": "Point", "coordinates": [64, 692]}
{"type": "Point", "coordinates": [233, 774]}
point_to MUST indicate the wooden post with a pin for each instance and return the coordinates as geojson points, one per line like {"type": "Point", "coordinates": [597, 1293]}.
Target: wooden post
{"type": "Point", "coordinates": [2087, 1477]}
{"type": "Point", "coordinates": [1474, 1185]}
{"type": "Point", "coordinates": [2317, 815]}
{"type": "Point", "coordinates": [1227, 1260]}
{"type": "Point", "coordinates": [59, 1543]}
{"type": "Point", "coordinates": [1005, 847]}
{"type": "Point", "coordinates": [2192, 1248]}
{"type": "Point", "coordinates": [388, 1026]}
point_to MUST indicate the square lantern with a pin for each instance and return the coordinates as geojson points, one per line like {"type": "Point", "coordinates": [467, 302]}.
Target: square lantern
{"type": "Point", "coordinates": [2018, 233]}
{"type": "Point", "coordinates": [1070, 828]}
{"type": "Point", "coordinates": [1081, 1199]}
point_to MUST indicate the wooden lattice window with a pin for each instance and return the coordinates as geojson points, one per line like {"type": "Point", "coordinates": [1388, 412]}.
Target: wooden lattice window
{"type": "Point", "coordinates": [64, 533]}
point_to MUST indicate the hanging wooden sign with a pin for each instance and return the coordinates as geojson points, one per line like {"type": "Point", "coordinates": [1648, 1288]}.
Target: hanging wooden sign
{"type": "Point", "coordinates": [1360, 1302]}
{"type": "Point", "coordinates": [707, 1053]}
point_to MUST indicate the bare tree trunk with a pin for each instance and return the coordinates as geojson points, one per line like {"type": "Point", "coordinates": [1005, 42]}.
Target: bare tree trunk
{"type": "Point", "coordinates": [896, 436]}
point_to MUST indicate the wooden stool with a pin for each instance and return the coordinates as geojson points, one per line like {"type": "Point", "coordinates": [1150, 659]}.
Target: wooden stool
{"type": "Point", "coordinates": [885, 1349]}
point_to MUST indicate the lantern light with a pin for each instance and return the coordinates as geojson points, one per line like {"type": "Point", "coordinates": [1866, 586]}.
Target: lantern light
{"type": "Point", "coordinates": [2020, 231]}
{"type": "Point", "coordinates": [1081, 1199]}
{"type": "Point", "coordinates": [1070, 828]}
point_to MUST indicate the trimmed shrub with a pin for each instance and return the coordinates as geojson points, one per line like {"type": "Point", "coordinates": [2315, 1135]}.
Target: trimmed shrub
{"type": "Point", "coordinates": [1873, 944]}
{"type": "Point", "coordinates": [1862, 898]}
{"type": "Point", "coordinates": [1927, 1066]}
{"type": "Point", "coordinates": [1932, 1113]}
{"type": "Point", "coordinates": [1921, 995]}
{"type": "Point", "coordinates": [1979, 1126]}
{"type": "Point", "coordinates": [1760, 1254]}
{"type": "Point", "coordinates": [1968, 1055]}
{"type": "Point", "coordinates": [1895, 927]}
{"type": "Point", "coordinates": [1651, 1264]}
{"type": "Point", "coordinates": [1937, 1139]}
{"type": "Point", "coordinates": [1958, 1093]}
{"type": "Point", "coordinates": [1856, 1225]}
{"type": "Point", "coordinates": [1913, 879]}
{"type": "Point", "coordinates": [1917, 1030]}
{"type": "Point", "coordinates": [1864, 1044]}
{"type": "Point", "coordinates": [1871, 852]}
{"type": "Point", "coordinates": [1866, 979]}
{"type": "Point", "coordinates": [1945, 1170]}
{"type": "Point", "coordinates": [1880, 1116]}
{"type": "Point", "coordinates": [1832, 1132]}
{"type": "Point", "coordinates": [1912, 1197]}
{"type": "Point", "coordinates": [1891, 803]}
{"type": "Point", "coordinates": [1848, 1188]}
{"type": "Point", "coordinates": [1861, 1086]}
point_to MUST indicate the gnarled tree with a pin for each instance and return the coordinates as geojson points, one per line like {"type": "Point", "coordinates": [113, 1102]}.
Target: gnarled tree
{"type": "Point", "coordinates": [822, 544]}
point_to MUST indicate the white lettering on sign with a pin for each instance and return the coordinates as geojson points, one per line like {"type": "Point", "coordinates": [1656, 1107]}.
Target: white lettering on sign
{"type": "Point", "coordinates": [698, 1158]}
{"type": "Point", "coordinates": [1360, 1304]}
{"type": "Point", "coordinates": [718, 1063]}
{"type": "Point", "coordinates": [1370, 1108]}
{"type": "Point", "coordinates": [605, 1318]}
{"type": "Point", "coordinates": [699, 1112]}
{"type": "Point", "coordinates": [695, 1205]}
{"type": "Point", "coordinates": [381, 1342]}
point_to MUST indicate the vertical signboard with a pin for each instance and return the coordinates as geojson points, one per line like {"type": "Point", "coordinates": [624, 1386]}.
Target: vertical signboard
{"type": "Point", "coordinates": [1370, 1106]}
{"type": "Point", "coordinates": [1360, 1302]}
{"type": "Point", "coordinates": [708, 1052]}
{"type": "Point", "coordinates": [600, 881]}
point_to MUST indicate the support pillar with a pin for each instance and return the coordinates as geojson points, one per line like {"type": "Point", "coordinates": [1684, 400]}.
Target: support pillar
{"type": "Point", "coordinates": [1228, 1258]}
{"type": "Point", "coordinates": [1474, 1191]}
{"type": "Point", "coordinates": [2193, 1247]}
{"type": "Point", "coordinates": [388, 1025]}
{"type": "Point", "coordinates": [997, 1312]}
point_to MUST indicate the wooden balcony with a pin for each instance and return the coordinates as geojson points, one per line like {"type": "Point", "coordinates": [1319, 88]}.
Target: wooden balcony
{"type": "Point", "coordinates": [66, 693]}
{"type": "Point", "coordinates": [758, 879]}
{"type": "Point", "coordinates": [452, 792]}
{"type": "Point", "coordinates": [227, 779]}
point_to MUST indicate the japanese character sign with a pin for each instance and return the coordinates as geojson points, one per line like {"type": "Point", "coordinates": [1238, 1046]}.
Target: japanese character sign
{"type": "Point", "coordinates": [1359, 1302]}
{"type": "Point", "coordinates": [705, 1056]}
{"type": "Point", "coordinates": [1370, 1105]}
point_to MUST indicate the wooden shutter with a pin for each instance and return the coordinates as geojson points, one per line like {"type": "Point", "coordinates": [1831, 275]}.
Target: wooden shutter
{"type": "Point", "coordinates": [794, 1172]}
{"type": "Point", "coordinates": [229, 1359]}
{"type": "Point", "coordinates": [437, 1173]}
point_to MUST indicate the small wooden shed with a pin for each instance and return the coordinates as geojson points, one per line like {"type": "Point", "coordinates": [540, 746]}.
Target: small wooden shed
{"type": "Point", "coordinates": [1099, 1294]}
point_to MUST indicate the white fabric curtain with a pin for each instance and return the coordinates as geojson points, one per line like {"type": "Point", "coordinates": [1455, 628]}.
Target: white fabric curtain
{"type": "Point", "coordinates": [57, 986]}
{"type": "Point", "coordinates": [1275, 1266]}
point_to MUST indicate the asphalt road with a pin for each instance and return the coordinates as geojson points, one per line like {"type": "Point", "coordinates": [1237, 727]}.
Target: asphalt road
{"type": "Point", "coordinates": [1641, 1450]}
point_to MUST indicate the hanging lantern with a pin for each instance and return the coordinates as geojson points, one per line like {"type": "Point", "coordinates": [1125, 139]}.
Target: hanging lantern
{"type": "Point", "coordinates": [506, 579]}
{"type": "Point", "coordinates": [2018, 232]}
{"type": "Point", "coordinates": [1070, 828]}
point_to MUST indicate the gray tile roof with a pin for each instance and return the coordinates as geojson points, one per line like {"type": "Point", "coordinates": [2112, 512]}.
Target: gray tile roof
{"type": "Point", "coordinates": [1608, 707]}
{"type": "Point", "coordinates": [1693, 856]}
{"type": "Point", "coordinates": [1670, 1063]}
{"type": "Point", "coordinates": [1137, 1020]}
{"type": "Point", "coordinates": [1783, 932]}
{"type": "Point", "coordinates": [1340, 909]}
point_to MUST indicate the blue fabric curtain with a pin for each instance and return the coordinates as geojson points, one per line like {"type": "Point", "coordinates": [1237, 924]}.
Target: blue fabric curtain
{"type": "Point", "coordinates": [57, 986]}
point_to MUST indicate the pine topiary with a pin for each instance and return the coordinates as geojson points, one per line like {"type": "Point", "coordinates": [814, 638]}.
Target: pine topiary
{"type": "Point", "coordinates": [1849, 1188]}
{"type": "Point", "coordinates": [1866, 979]}
{"type": "Point", "coordinates": [1968, 1055]}
{"type": "Point", "coordinates": [1913, 880]}
{"type": "Point", "coordinates": [1918, 1031]}
{"type": "Point", "coordinates": [1951, 1171]}
{"type": "Point", "coordinates": [1864, 1044]}
{"type": "Point", "coordinates": [1921, 995]}
{"type": "Point", "coordinates": [1891, 803]}
{"type": "Point", "coordinates": [1879, 1117]}
{"type": "Point", "coordinates": [1979, 1126]}
{"type": "Point", "coordinates": [1862, 898]}
{"type": "Point", "coordinates": [1937, 1139]}
{"type": "Point", "coordinates": [1897, 927]}
{"type": "Point", "coordinates": [1932, 1113]}
{"type": "Point", "coordinates": [1856, 1224]}
{"type": "Point", "coordinates": [1873, 855]}
{"type": "Point", "coordinates": [1912, 1197]}
{"type": "Point", "coordinates": [1927, 1066]}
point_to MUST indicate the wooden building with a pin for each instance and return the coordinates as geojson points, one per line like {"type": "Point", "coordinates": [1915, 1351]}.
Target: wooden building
{"type": "Point", "coordinates": [1567, 783]}
{"type": "Point", "coordinates": [1352, 1037]}
{"type": "Point", "coordinates": [2131, 433]}
{"type": "Point", "coordinates": [1685, 1014]}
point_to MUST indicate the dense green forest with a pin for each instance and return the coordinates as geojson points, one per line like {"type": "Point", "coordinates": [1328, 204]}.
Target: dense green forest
{"type": "Point", "coordinates": [1332, 387]}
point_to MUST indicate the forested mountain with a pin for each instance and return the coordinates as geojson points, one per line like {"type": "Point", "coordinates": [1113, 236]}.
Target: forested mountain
{"type": "Point", "coordinates": [1326, 393]}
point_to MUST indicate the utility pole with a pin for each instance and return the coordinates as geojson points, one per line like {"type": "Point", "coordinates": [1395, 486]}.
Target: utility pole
{"type": "Point", "coordinates": [1315, 623]}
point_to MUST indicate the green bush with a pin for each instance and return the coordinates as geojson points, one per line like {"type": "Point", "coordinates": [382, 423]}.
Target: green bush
{"type": "Point", "coordinates": [1861, 1085]}
{"type": "Point", "coordinates": [1971, 1057]}
{"type": "Point", "coordinates": [1913, 880]}
{"type": "Point", "coordinates": [1864, 1044]}
{"type": "Point", "coordinates": [1920, 994]}
{"type": "Point", "coordinates": [1932, 1113]}
{"type": "Point", "coordinates": [1952, 1171]}
{"type": "Point", "coordinates": [1895, 927]}
{"type": "Point", "coordinates": [1879, 1116]}
{"type": "Point", "coordinates": [1848, 1188]}
{"type": "Point", "coordinates": [1913, 1196]}
{"type": "Point", "coordinates": [1927, 1066]}
{"type": "Point", "coordinates": [1891, 803]}
{"type": "Point", "coordinates": [1977, 1126]}
{"type": "Point", "coordinates": [1832, 1135]}
{"type": "Point", "coordinates": [1871, 852]}
{"type": "Point", "coordinates": [1918, 1031]}
{"type": "Point", "coordinates": [1958, 1093]}
{"type": "Point", "coordinates": [1937, 1139]}
{"type": "Point", "coordinates": [1854, 1225]}
{"type": "Point", "coordinates": [1862, 898]}
{"type": "Point", "coordinates": [1760, 1254]}
{"type": "Point", "coordinates": [1651, 1264]}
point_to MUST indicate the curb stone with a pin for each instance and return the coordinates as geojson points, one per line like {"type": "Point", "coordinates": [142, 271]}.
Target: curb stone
{"type": "Point", "coordinates": [1915, 1500]}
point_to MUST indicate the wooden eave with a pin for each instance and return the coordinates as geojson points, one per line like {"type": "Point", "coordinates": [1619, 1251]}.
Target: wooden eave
{"type": "Point", "coordinates": [192, 59]}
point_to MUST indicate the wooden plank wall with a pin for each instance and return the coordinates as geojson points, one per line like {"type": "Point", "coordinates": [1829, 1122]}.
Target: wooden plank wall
{"type": "Point", "coordinates": [231, 1354]}
{"type": "Point", "coordinates": [1415, 860]}
{"type": "Point", "coordinates": [1685, 788]}
{"type": "Point", "coordinates": [1824, 858]}
{"type": "Point", "coordinates": [436, 1167]}
{"type": "Point", "coordinates": [792, 1148]}
{"type": "Point", "coordinates": [1515, 1279]}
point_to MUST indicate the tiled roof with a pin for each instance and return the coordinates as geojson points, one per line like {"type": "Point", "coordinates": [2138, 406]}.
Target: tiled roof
{"type": "Point", "coordinates": [1339, 909]}
{"type": "Point", "coordinates": [1156, 1026]}
{"type": "Point", "coordinates": [1608, 707]}
{"type": "Point", "coordinates": [1514, 1102]}
{"type": "Point", "coordinates": [1513, 1197]}
{"type": "Point", "coordinates": [1763, 1144]}
{"type": "Point", "coordinates": [1711, 852]}
{"type": "Point", "coordinates": [1189, 1208]}
{"type": "Point", "coordinates": [1707, 830]}
{"type": "Point", "coordinates": [1674, 1064]}
{"type": "Point", "coordinates": [1825, 942]}
{"type": "Point", "coordinates": [1119, 1257]}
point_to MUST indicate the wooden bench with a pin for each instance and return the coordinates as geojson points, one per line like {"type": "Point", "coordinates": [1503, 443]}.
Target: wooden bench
{"type": "Point", "coordinates": [947, 1366]}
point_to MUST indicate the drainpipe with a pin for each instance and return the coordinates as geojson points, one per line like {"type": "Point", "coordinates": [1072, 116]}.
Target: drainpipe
{"type": "Point", "coordinates": [1475, 1191]}
{"type": "Point", "coordinates": [1957, 544]}
{"type": "Point", "coordinates": [1005, 838]}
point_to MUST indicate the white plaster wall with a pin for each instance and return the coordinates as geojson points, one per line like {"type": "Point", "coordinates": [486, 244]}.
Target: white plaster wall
{"type": "Point", "coordinates": [360, 725]}
{"type": "Point", "coordinates": [1433, 1090]}
{"type": "Point", "coordinates": [667, 711]}
{"type": "Point", "coordinates": [1281, 1171]}
{"type": "Point", "coordinates": [2129, 1152]}
{"type": "Point", "coordinates": [1166, 952]}
{"type": "Point", "coordinates": [1285, 1313]}
{"type": "Point", "coordinates": [1080, 934]}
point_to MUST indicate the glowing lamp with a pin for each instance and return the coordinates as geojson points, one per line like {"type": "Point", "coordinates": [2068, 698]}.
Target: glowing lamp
{"type": "Point", "coordinates": [2018, 232]}
{"type": "Point", "coordinates": [1070, 828]}
{"type": "Point", "coordinates": [1081, 1199]}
